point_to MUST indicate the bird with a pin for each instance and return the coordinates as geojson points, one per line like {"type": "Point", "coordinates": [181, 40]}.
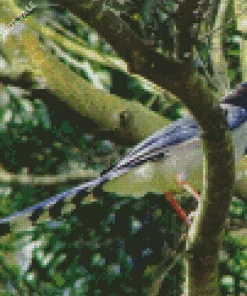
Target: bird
{"type": "Point", "coordinates": [172, 154]}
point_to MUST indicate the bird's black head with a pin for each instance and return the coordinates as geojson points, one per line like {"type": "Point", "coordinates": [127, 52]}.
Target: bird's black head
{"type": "Point", "coordinates": [235, 106]}
{"type": "Point", "coordinates": [238, 97]}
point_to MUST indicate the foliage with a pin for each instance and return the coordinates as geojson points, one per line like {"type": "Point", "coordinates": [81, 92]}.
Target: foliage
{"type": "Point", "coordinates": [107, 243]}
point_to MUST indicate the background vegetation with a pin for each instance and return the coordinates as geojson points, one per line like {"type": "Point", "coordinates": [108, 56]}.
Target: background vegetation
{"type": "Point", "coordinates": [64, 93]}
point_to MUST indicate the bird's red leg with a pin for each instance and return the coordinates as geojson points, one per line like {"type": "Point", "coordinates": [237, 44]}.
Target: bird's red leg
{"type": "Point", "coordinates": [187, 220]}
{"type": "Point", "coordinates": [170, 197]}
{"type": "Point", "coordinates": [185, 185]}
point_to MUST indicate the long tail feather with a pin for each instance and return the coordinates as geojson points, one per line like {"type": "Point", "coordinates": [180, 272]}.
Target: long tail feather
{"type": "Point", "coordinates": [33, 213]}
{"type": "Point", "coordinates": [32, 210]}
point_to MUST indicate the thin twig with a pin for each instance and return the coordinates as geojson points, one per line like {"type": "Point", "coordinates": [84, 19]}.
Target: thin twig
{"type": "Point", "coordinates": [220, 28]}
{"type": "Point", "coordinates": [46, 180]}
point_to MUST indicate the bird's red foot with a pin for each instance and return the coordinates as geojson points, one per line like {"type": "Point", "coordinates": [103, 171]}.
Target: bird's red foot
{"type": "Point", "coordinates": [181, 213]}
{"type": "Point", "coordinates": [185, 185]}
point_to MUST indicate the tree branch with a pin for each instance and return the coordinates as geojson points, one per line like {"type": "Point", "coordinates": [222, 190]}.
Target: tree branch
{"type": "Point", "coordinates": [106, 110]}
{"type": "Point", "coordinates": [47, 180]}
{"type": "Point", "coordinates": [141, 58]}
{"type": "Point", "coordinates": [217, 53]}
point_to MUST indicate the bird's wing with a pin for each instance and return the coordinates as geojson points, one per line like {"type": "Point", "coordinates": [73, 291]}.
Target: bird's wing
{"type": "Point", "coordinates": [174, 134]}
{"type": "Point", "coordinates": [177, 132]}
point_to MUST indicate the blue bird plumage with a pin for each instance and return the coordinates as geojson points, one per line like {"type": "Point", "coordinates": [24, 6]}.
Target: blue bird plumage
{"type": "Point", "coordinates": [173, 135]}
